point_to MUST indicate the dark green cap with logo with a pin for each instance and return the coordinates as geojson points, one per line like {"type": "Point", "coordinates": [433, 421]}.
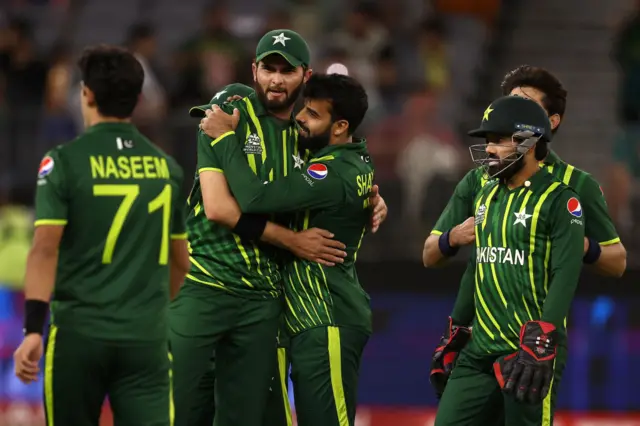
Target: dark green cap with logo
{"type": "Point", "coordinates": [510, 114]}
{"type": "Point", "coordinates": [286, 43]}
{"type": "Point", "coordinates": [221, 97]}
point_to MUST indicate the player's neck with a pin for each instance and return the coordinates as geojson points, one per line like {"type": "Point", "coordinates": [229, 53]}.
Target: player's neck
{"type": "Point", "coordinates": [282, 115]}
{"type": "Point", "coordinates": [529, 169]}
{"type": "Point", "coordinates": [98, 119]}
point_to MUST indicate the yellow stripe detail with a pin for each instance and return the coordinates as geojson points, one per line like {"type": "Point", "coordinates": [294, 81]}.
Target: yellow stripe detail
{"type": "Point", "coordinates": [222, 136]}
{"type": "Point", "coordinates": [42, 222]}
{"type": "Point", "coordinates": [256, 123]}
{"type": "Point", "coordinates": [179, 236]}
{"type": "Point", "coordinates": [305, 224]}
{"type": "Point", "coordinates": [487, 204]}
{"type": "Point", "coordinates": [243, 252]}
{"type": "Point", "coordinates": [532, 240]}
{"type": "Point", "coordinates": [172, 409]}
{"type": "Point", "coordinates": [504, 220]}
{"type": "Point", "coordinates": [547, 255]}
{"type": "Point", "coordinates": [198, 280]}
{"type": "Point", "coordinates": [335, 366]}
{"type": "Point", "coordinates": [48, 373]}
{"type": "Point", "coordinates": [285, 156]}
{"type": "Point", "coordinates": [197, 209]}
{"type": "Point", "coordinates": [567, 174]}
{"type": "Point", "coordinates": [199, 266]}
{"type": "Point", "coordinates": [251, 157]}
{"type": "Point", "coordinates": [282, 369]}
{"type": "Point", "coordinates": [546, 402]}
{"type": "Point", "coordinates": [324, 158]}
{"type": "Point", "coordinates": [550, 168]}
{"type": "Point", "coordinates": [295, 266]}
{"type": "Point", "coordinates": [326, 308]}
{"type": "Point", "coordinates": [210, 169]}
{"type": "Point", "coordinates": [495, 278]}
{"type": "Point", "coordinates": [436, 232]}
{"type": "Point", "coordinates": [355, 254]}
{"type": "Point", "coordinates": [610, 242]}
{"type": "Point", "coordinates": [326, 286]}
{"type": "Point", "coordinates": [478, 296]}
{"type": "Point", "coordinates": [247, 282]}
{"type": "Point", "coordinates": [286, 299]}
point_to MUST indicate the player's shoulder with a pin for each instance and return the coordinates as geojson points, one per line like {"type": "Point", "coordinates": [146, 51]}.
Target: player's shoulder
{"type": "Point", "coordinates": [585, 184]}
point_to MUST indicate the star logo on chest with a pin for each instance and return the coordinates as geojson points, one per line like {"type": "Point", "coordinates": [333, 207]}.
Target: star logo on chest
{"type": "Point", "coordinates": [280, 38]}
{"type": "Point", "coordinates": [521, 218]}
{"type": "Point", "coordinates": [299, 162]}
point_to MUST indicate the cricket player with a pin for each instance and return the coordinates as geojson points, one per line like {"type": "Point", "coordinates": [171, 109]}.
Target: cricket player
{"type": "Point", "coordinates": [327, 312]}
{"type": "Point", "coordinates": [109, 243]}
{"type": "Point", "coordinates": [529, 229]}
{"type": "Point", "coordinates": [603, 248]}
{"type": "Point", "coordinates": [231, 300]}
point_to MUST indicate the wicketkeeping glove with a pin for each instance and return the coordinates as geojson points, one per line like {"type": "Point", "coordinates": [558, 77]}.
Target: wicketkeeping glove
{"type": "Point", "coordinates": [529, 371]}
{"type": "Point", "coordinates": [452, 342]}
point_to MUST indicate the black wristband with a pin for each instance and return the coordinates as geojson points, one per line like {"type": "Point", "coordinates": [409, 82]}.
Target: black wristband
{"type": "Point", "coordinates": [593, 252]}
{"type": "Point", "coordinates": [445, 246]}
{"type": "Point", "coordinates": [251, 226]}
{"type": "Point", "coordinates": [35, 315]}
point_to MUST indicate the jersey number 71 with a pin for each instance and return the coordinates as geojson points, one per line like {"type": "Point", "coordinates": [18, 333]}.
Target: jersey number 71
{"type": "Point", "coordinates": [129, 193]}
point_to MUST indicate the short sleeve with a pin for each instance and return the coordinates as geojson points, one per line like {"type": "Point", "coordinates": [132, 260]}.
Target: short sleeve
{"type": "Point", "coordinates": [460, 206]}
{"type": "Point", "coordinates": [52, 196]}
{"type": "Point", "coordinates": [598, 223]}
{"type": "Point", "coordinates": [178, 214]}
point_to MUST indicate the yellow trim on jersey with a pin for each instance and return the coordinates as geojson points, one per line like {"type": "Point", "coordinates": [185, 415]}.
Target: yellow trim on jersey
{"type": "Point", "coordinates": [210, 169]}
{"type": "Point", "coordinates": [295, 266]}
{"type": "Point", "coordinates": [495, 277]}
{"type": "Point", "coordinates": [285, 159]}
{"type": "Point", "coordinates": [217, 285]}
{"type": "Point", "coordinates": [532, 240]}
{"type": "Point", "coordinates": [282, 369]}
{"type": "Point", "coordinates": [222, 136]}
{"type": "Point", "coordinates": [48, 373]}
{"type": "Point", "coordinates": [567, 174]}
{"type": "Point", "coordinates": [43, 222]}
{"type": "Point", "coordinates": [179, 236]}
{"type": "Point", "coordinates": [286, 299]}
{"type": "Point", "coordinates": [616, 240]}
{"type": "Point", "coordinates": [436, 232]}
{"type": "Point", "coordinates": [199, 266]}
{"type": "Point", "coordinates": [251, 158]}
{"type": "Point", "coordinates": [547, 256]}
{"type": "Point", "coordinates": [243, 252]}
{"type": "Point", "coordinates": [247, 282]}
{"type": "Point", "coordinates": [256, 123]}
{"type": "Point", "coordinates": [546, 402]}
{"type": "Point", "coordinates": [335, 367]}
{"type": "Point", "coordinates": [172, 409]}
{"type": "Point", "coordinates": [324, 158]}
{"type": "Point", "coordinates": [305, 223]}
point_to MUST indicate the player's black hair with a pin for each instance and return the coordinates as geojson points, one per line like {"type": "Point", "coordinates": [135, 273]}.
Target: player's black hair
{"type": "Point", "coordinates": [114, 76]}
{"type": "Point", "coordinates": [555, 95]}
{"type": "Point", "coordinates": [348, 98]}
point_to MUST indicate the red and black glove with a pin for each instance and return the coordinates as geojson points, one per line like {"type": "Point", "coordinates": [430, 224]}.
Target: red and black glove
{"type": "Point", "coordinates": [453, 340]}
{"type": "Point", "coordinates": [529, 371]}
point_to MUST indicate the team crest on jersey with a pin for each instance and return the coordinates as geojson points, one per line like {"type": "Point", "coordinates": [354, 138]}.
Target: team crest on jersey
{"type": "Point", "coordinates": [253, 145]}
{"type": "Point", "coordinates": [46, 167]}
{"type": "Point", "coordinates": [317, 171]}
{"type": "Point", "coordinates": [480, 215]}
{"type": "Point", "coordinates": [574, 207]}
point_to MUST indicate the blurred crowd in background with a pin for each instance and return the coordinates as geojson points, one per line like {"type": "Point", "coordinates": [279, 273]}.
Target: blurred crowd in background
{"type": "Point", "coordinates": [430, 68]}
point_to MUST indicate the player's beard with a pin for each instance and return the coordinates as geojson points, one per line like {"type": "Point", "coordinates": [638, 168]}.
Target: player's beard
{"type": "Point", "coordinates": [278, 105]}
{"type": "Point", "coordinates": [313, 142]}
{"type": "Point", "coordinates": [506, 168]}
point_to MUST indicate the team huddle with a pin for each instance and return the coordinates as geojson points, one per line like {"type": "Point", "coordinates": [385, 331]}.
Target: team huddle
{"type": "Point", "coordinates": [193, 311]}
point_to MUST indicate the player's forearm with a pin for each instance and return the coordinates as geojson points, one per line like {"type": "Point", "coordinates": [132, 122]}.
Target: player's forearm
{"type": "Point", "coordinates": [279, 236]}
{"type": "Point", "coordinates": [432, 256]}
{"type": "Point", "coordinates": [612, 261]}
{"type": "Point", "coordinates": [41, 273]}
{"type": "Point", "coordinates": [561, 291]}
{"type": "Point", "coordinates": [464, 307]}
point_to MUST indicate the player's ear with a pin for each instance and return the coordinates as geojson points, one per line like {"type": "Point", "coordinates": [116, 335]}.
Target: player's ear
{"type": "Point", "coordinates": [307, 74]}
{"type": "Point", "coordinates": [88, 95]}
{"type": "Point", "coordinates": [555, 121]}
{"type": "Point", "coordinates": [340, 128]}
{"type": "Point", "coordinates": [254, 69]}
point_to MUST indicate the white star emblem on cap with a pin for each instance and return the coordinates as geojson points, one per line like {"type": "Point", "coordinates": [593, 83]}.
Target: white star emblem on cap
{"type": "Point", "coordinates": [280, 38]}
{"type": "Point", "coordinates": [217, 96]}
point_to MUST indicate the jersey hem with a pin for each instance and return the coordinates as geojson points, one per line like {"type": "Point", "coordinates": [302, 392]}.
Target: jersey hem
{"type": "Point", "coordinates": [210, 169]}
{"type": "Point", "coordinates": [610, 242]}
{"type": "Point", "coordinates": [41, 222]}
{"type": "Point", "coordinates": [352, 327]}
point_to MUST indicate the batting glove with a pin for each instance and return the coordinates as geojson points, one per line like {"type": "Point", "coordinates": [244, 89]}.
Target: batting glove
{"type": "Point", "coordinates": [529, 371]}
{"type": "Point", "coordinates": [453, 340]}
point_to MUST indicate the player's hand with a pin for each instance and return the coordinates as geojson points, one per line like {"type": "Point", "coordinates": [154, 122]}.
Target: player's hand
{"type": "Point", "coordinates": [318, 245]}
{"type": "Point", "coordinates": [453, 340]}
{"type": "Point", "coordinates": [217, 122]}
{"type": "Point", "coordinates": [463, 234]}
{"type": "Point", "coordinates": [380, 209]}
{"type": "Point", "coordinates": [234, 98]}
{"type": "Point", "coordinates": [27, 357]}
{"type": "Point", "coordinates": [528, 372]}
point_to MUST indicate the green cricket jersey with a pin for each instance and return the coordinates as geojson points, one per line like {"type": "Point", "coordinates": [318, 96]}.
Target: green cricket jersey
{"type": "Point", "coordinates": [220, 258]}
{"type": "Point", "coordinates": [332, 192]}
{"type": "Point", "coordinates": [529, 248]}
{"type": "Point", "coordinates": [118, 198]}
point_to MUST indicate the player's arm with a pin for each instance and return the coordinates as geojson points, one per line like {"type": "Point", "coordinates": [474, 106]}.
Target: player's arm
{"type": "Point", "coordinates": [603, 248]}
{"type": "Point", "coordinates": [455, 226]}
{"type": "Point", "coordinates": [299, 191]}
{"type": "Point", "coordinates": [464, 307]}
{"type": "Point", "coordinates": [567, 247]}
{"type": "Point", "coordinates": [179, 252]}
{"type": "Point", "coordinates": [51, 217]}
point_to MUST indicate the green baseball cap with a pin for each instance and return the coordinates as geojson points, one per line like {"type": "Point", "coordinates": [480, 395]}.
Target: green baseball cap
{"type": "Point", "coordinates": [510, 114]}
{"type": "Point", "coordinates": [286, 43]}
{"type": "Point", "coordinates": [221, 97]}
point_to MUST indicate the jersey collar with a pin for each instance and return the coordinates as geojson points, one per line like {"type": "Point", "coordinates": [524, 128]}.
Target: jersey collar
{"type": "Point", "coordinates": [109, 127]}
{"type": "Point", "coordinates": [358, 144]}
{"type": "Point", "coordinates": [552, 158]}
